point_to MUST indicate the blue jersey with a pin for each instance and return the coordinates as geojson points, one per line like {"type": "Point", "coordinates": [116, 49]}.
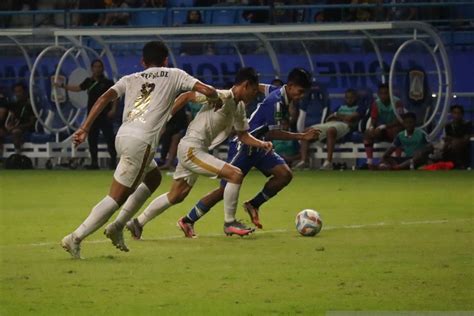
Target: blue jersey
{"type": "Point", "coordinates": [271, 111]}
{"type": "Point", "coordinates": [267, 116]}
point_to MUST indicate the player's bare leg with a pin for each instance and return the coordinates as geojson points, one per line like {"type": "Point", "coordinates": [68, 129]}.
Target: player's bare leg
{"type": "Point", "coordinates": [304, 152]}
{"type": "Point", "coordinates": [370, 136]}
{"type": "Point", "coordinates": [330, 145]}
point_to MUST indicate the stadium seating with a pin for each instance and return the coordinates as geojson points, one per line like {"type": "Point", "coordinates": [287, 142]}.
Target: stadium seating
{"type": "Point", "coordinates": [178, 17]}
{"type": "Point", "coordinates": [223, 17]}
{"type": "Point", "coordinates": [149, 18]}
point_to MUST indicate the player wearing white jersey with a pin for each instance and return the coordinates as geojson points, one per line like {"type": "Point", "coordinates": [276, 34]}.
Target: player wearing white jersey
{"type": "Point", "coordinates": [149, 97]}
{"type": "Point", "coordinates": [208, 129]}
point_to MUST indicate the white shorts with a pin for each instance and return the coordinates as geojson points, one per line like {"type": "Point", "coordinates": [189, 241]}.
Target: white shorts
{"type": "Point", "coordinates": [341, 128]}
{"type": "Point", "coordinates": [136, 160]}
{"type": "Point", "coordinates": [195, 161]}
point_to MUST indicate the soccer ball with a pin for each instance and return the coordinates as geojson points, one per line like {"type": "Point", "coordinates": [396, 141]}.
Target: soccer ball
{"type": "Point", "coordinates": [308, 222]}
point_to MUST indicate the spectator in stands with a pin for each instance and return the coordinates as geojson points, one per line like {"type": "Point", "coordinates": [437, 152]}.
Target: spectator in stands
{"type": "Point", "coordinates": [281, 15]}
{"type": "Point", "coordinates": [401, 13]}
{"type": "Point", "coordinates": [256, 16]}
{"type": "Point", "coordinates": [456, 141]}
{"type": "Point", "coordinates": [299, 15]}
{"type": "Point", "coordinates": [337, 14]}
{"type": "Point", "coordinates": [116, 18]}
{"type": "Point", "coordinates": [414, 143]}
{"type": "Point", "coordinates": [20, 119]}
{"type": "Point", "coordinates": [174, 131]}
{"type": "Point", "coordinates": [89, 19]}
{"type": "Point", "coordinates": [337, 125]}
{"type": "Point", "coordinates": [193, 18]}
{"type": "Point", "coordinates": [384, 125]}
{"type": "Point", "coordinates": [18, 5]}
{"type": "Point", "coordinates": [360, 14]}
{"type": "Point", "coordinates": [96, 86]}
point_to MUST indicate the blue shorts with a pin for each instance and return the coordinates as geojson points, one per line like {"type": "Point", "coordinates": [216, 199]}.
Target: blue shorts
{"type": "Point", "coordinates": [246, 157]}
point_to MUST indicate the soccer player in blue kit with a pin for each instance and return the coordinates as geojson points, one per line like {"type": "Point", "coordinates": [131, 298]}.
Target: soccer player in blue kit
{"type": "Point", "coordinates": [265, 123]}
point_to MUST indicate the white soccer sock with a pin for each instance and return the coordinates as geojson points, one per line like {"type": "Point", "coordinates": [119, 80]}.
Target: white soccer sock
{"type": "Point", "coordinates": [156, 207]}
{"type": "Point", "coordinates": [99, 215]}
{"type": "Point", "coordinates": [132, 205]}
{"type": "Point", "coordinates": [231, 197]}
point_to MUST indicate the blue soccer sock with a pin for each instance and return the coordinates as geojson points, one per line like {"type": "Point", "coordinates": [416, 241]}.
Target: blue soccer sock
{"type": "Point", "coordinates": [262, 197]}
{"type": "Point", "coordinates": [198, 211]}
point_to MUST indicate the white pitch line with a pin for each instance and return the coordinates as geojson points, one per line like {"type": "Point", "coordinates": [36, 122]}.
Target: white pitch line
{"type": "Point", "coordinates": [259, 232]}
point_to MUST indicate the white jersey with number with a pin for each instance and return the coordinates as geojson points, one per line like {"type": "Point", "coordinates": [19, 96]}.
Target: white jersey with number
{"type": "Point", "coordinates": [149, 96]}
{"type": "Point", "coordinates": [210, 127]}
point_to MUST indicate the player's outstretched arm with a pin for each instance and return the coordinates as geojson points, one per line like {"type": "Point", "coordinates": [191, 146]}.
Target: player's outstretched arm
{"type": "Point", "coordinates": [209, 91]}
{"type": "Point", "coordinates": [81, 134]}
{"type": "Point", "coordinates": [182, 100]}
{"type": "Point", "coordinates": [249, 140]}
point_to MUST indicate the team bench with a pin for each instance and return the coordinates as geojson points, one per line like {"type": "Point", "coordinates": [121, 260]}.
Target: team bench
{"type": "Point", "coordinates": [62, 153]}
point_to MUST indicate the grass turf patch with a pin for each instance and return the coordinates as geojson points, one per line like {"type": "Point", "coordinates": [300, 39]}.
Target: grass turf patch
{"type": "Point", "coordinates": [390, 241]}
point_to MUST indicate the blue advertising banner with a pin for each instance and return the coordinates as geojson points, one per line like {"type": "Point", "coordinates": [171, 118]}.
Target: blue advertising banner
{"type": "Point", "coordinates": [338, 71]}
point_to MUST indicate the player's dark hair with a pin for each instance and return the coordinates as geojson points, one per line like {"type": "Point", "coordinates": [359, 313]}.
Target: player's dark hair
{"type": "Point", "coordinates": [383, 86]}
{"type": "Point", "coordinates": [155, 53]}
{"type": "Point", "coordinates": [300, 77]}
{"type": "Point", "coordinates": [457, 107]}
{"type": "Point", "coordinates": [246, 73]}
{"type": "Point", "coordinates": [409, 115]}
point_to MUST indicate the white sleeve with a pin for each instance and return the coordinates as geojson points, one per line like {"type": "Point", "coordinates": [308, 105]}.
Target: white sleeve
{"type": "Point", "coordinates": [241, 122]}
{"type": "Point", "coordinates": [120, 86]}
{"type": "Point", "coordinates": [185, 81]}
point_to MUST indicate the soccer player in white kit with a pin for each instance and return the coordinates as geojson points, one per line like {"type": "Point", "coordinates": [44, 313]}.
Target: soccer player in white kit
{"type": "Point", "coordinates": [208, 129]}
{"type": "Point", "coordinates": [149, 97]}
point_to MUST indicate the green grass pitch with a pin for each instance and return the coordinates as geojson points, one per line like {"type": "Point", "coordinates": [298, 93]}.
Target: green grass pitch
{"type": "Point", "coordinates": [390, 242]}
